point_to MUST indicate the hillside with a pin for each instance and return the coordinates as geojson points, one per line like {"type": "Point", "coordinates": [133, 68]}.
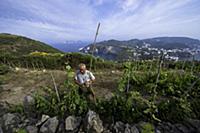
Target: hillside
{"type": "Point", "coordinates": [18, 45]}
{"type": "Point", "coordinates": [174, 47]}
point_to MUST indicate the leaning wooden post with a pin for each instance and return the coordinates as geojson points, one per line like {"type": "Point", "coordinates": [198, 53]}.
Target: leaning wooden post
{"type": "Point", "coordinates": [93, 47]}
{"type": "Point", "coordinates": [55, 86]}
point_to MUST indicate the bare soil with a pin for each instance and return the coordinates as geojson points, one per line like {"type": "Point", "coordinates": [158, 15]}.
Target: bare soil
{"type": "Point", "coordinates": [22, 82]}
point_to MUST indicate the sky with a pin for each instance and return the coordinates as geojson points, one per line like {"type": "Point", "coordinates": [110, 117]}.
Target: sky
{"type": "Point", "coordinates": [60, 20]}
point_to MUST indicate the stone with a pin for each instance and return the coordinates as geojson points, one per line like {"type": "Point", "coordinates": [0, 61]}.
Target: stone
{"type": "Point", "coordinates": [1, 130]}
{"type": "Point", "coordinates": [43, 119]}
{"type": "Point", "coordinates": [72, 123]}
{"type": "Point", "coordinates": [92, 123]}
{"type": "Point", "coordinates": [195, 124]}
{"type": "Point", "coordinates": [127, 129]}
{"type": "Point", "coordinates": [182, 128]}
{"type": "Point", "coordinates": [157, 131]}
{"type": "Point", "coordinates": [50, 125]}
{"type": "Point", "coordinates": [3, 108]}
{"type": "Point", "coordinates": [167, 127]}
{"type": "Point", "coordinates": [119, 127]}
{"type": "Point", "coordinates": [61, 128]}
{"type": "Point", "coordinates": [10, 122]}
{"type": "Point", "coordinates": [28, 101]}
{"type": "Point", "coordinates": [107, 131]}
{"type": "Point", "coordinates": [31, 129]}
{"type": "Point", "coordinates": [134, 129]}
{"type": "Point", "coordinates": [1, 121]}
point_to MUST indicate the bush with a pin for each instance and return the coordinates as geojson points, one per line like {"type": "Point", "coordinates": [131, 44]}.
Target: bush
{"type": "Point", "coordinates": [69, 101]}
{"type": "Point", "coordinates": [175, 110]}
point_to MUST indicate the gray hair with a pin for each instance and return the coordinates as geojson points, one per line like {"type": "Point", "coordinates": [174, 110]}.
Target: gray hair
{"type": "Point", "coordinates": [82, 65]}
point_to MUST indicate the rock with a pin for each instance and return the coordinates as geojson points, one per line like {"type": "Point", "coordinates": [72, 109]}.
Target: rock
{"type": "Point", "coordinates": [107, 131]}
{"type": "Point", "coordinates": [28, 101]}
{"type": "Point", "coordinates": [72, 123]}
{"type": "Point", "coordinates": [157, 131]}
{"type": "Point", "coordinates": [50, 125]}
{"type": "Point", "coordinates": [61, 128]}
{"type": "Point", "coordinates": [182, 128]}
{"type": "Point", "coordinates": [31, 129]}
{"type": "Point", "coordinates": [1, 130]}
{"type": "Point", "coordinates": [92, 123]}
{"type": "Point", "coordinates": [127, 128]}
{"type": "Point", "coordinates": [134, 129]}
{"type": "Point", "coordinates": [1, 121]}
{"type": "Point", "coordinates": [3, 108]}
{"type": "Point", "coordinates": [113, 72]}
{"type": "Point", "coordinates": [167, 127]}
{"type": "Point", "coordinates": [10, 122]}
{"type": "Point", "coordinates": [195, 124]}
{"type": "Point", "coordinates": [119, 127]}
{"type": "Point", "coordinates": [44, 119]}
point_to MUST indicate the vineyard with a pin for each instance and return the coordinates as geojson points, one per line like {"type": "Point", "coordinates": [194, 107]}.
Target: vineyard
{"type": "Point", "coordinates": [43, 60]}
{"type": "Point", "coordinates": [151, 93]}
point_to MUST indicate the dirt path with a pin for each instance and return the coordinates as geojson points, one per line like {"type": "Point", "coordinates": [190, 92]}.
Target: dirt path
{"type": "Point", "coordinates": [22, 82]}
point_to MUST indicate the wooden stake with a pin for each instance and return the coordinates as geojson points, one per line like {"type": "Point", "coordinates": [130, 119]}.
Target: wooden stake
{"type": "Point", "coordinates": [55, 86]}
{"type": "Point", "coordinates": [93, 47]}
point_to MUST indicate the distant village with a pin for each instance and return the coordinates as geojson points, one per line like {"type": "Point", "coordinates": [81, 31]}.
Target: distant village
{"type": "Point", "coordinates": [148, 52]}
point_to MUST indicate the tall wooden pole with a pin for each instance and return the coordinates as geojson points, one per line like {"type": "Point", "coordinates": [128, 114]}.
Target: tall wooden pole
{"type": "Point", "coordinates": [94, 43]}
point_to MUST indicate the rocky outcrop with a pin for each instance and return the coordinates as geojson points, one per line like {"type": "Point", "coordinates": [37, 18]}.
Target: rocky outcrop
{"type": "Point", "coordinates": [50, 125]}
{"type": "Point", "coordinates": [120, 127]}
{"type": "Point", "coordinates": [3, 109]}
{"type": "Point", "coordinates": [10, 122]}
{"type": "Point", "coordinates": [29, 103]}
{"type": "Point", "coordinates": [91, 123]}
{"type": "Point", "coordinates": [72, 123]}
{"type": "Point", "coordinates": [1, 130]}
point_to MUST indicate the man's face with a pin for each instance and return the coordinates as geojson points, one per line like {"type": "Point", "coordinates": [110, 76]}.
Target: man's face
{"type": "Point", "coordinates": [82, 69]}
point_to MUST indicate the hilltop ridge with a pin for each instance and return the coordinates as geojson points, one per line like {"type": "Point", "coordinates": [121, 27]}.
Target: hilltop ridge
{"type": "Point", "coordinates": [19, 45]}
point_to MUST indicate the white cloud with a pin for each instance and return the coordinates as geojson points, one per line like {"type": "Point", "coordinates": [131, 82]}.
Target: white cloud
{"type": "Point", "coordinates": [128, 5]}
{"type": "Point", "coordinates": [154, 19]}
{"type": "Point", "coordinates": [77, 19]}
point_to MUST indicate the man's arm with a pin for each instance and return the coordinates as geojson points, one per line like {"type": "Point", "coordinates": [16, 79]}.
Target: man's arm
{"type": "Point", "coordinates": [77, 80]}
{"type": "Point", "coordinates": [92, 78]}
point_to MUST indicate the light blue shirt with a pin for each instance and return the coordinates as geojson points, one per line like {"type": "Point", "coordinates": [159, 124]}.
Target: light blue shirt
{"type": "Point", "coordinates": [82, 78]}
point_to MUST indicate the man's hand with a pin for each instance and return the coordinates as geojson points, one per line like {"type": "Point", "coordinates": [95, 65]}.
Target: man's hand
{"type": "Point", "coordinates": [88, 83]}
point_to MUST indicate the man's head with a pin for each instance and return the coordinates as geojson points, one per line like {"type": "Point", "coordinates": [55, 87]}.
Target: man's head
{"type": "Point", "coordinates": [82, 68]}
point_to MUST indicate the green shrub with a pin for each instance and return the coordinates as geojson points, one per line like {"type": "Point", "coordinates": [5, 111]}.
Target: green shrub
{"type": "Point", "coordinates": [69, 101]}
{"type": "Point", "coordinates": [147, 128]}
{"type": "Point", "coordinates": [175, 110]}
{"type": "Point", "coordinates": [17, 109]}
{"type": "Point", "coordinates": [21, 130]}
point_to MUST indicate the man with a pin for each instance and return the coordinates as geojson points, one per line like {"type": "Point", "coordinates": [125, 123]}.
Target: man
{"type": "Point", "coordinates": [84, 79]}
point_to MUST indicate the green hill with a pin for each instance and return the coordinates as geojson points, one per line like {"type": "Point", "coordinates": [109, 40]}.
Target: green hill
{"type": "Point", "coordinates": [19, 45]}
